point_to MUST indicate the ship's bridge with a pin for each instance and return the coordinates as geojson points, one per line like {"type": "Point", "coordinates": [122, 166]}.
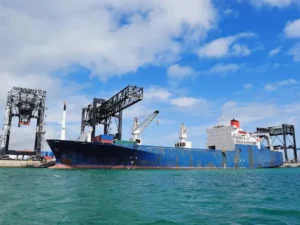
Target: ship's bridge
{"type": "Point", "coordinates": [225, 136]}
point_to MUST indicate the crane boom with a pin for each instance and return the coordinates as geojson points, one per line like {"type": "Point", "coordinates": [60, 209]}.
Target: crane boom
{"type": "Point", "coordinates": [139, 128]}
{"type": "Point", "coordinates": [100, 111]}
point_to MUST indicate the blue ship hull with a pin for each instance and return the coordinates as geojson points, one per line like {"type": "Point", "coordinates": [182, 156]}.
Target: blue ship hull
{"type": "Point", "coordinates": [73, 154]}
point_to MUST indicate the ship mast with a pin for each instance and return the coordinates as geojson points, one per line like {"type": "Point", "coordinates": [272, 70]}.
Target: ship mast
{"type": "Point", "coordinates": [63, 124]}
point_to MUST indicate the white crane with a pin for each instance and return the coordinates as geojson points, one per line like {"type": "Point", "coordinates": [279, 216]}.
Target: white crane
{"type": "Point", "coordinates": [137, 128]}
{"type": "Point", "coordinates": [183, 143]}
{"type": "Point", "coordinates": [182, 133]}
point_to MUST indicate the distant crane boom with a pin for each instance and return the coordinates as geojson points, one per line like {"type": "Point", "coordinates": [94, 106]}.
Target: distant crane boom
{"type": "Point", "coordinates": [139, 128]}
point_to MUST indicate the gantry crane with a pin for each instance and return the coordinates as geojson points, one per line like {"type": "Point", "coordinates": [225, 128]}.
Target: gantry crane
{"type": "Point", "coordinates": [26, 104]}
{"type": "Point", "coordinates": [137, 128]}
{"type": "Point", "coordinates": [101, 111]}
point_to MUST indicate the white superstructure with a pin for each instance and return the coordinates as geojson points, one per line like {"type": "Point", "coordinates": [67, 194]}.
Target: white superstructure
{"type": "Point", "coordinates": [226, 134]}
{"type": "Point", "coordinates": [183, 143]}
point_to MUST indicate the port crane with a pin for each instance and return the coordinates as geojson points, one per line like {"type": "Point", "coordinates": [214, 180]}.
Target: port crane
{"type": "Point", "coordinates": [26, 104]}
{"type": "Point", "coordinates": [183, 143]}
{"type": "Point", "coordinates": [137, 128]}
{"type": "Point", "coordinates": [101, 111]}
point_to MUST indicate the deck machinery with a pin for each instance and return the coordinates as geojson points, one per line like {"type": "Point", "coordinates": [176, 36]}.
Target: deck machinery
{"type": "Point", "coordinates": [282, 133]}
{"type": "Point", "coordinates": [102, 111]}
{"type": "Point", "coordinates": [26, 104]}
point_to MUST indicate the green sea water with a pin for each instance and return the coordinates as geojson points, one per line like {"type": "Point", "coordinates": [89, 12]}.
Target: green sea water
{"type": "Point", "coordinates": [46, 196]}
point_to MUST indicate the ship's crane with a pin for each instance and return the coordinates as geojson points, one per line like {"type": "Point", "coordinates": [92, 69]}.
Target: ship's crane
{"type": "Point", "coordinates": [137, 128]}
{"type": "Point", "coordinates": [183, 143]}
{"type": "Point", "coordinates": [182, 133]}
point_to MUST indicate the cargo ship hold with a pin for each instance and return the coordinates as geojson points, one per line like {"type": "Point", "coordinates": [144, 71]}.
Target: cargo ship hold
{"type": "Point", "coordinates": [228, 146]}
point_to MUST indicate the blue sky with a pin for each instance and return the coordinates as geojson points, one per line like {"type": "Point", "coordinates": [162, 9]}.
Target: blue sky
{"type": "Point", "coordinates": [196, 60]}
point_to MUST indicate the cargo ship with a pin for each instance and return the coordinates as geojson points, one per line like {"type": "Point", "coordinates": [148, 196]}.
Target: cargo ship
{"type": "Point", "coordinates": [228, 146]}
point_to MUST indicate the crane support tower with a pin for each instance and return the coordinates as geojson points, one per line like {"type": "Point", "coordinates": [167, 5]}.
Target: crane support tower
{"type": "Point", "coordinates": [137, 128]}
{"type": "Point", "coordinates": [282, 133]}
{"type": "Point", "coordinates": [102, 111]}
{"type": "Point", "coordinates": [26, 104]}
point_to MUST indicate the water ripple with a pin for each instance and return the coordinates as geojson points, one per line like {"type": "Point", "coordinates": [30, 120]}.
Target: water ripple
{"type": "Point", "coordinates": [231, 197]}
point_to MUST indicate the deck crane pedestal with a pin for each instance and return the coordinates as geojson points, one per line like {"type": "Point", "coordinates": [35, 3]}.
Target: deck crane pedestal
{"type": "Point", "coordinates": [137, 128]}
{"type": "Point", "coordinates": [183, 143]}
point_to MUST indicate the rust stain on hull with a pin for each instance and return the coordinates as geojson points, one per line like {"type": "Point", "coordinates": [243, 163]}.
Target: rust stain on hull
{"type": "Point", "coordinates": [224, 159]}
{"type": "Point", "coordinates": [236, 159]}
{"type": "Point", "coordinates": [250, 152]}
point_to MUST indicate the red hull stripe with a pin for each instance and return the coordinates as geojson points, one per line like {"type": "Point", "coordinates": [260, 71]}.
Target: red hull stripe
{"type": "Point", "coordinates": [64, 166]}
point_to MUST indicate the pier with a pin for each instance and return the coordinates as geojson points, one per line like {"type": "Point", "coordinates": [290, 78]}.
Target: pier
{"type": "Point", "coordinates": [26, 164]}
{"type": "Point", "coordinates": [288, 164]}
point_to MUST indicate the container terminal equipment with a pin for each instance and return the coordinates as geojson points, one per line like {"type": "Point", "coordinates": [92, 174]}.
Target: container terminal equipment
{"type": "Point", "coordinates": [26, 104]}
{"type": "Point", "coordinates": [228, 145]}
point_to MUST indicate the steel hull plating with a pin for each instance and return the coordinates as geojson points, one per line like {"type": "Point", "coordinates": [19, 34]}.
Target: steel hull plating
{"type": "Point", "coordinates": [72, 154]}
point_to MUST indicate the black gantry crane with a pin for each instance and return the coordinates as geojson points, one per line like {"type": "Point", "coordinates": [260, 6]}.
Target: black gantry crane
{"type": "Point", "coordinates": [26, 104]}
{"type": "Point", "coordinates": [282, 134]}
{"type": "Point", "coordinates": [101, 111]}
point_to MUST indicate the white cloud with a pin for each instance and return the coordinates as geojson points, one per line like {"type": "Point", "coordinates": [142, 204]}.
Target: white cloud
{"type": "Point", "coordinates": [225, 46]}
{"type": "Point", "coordinates": [177, 71]}
{"type": "Point", "coordinates": [270, 87]}
{"type": "Point", "coordinates": [184, 102]}
{"type": "Point", "coordinates": [224, 68]}
{"type": "Point", "coordinates": [137, 110]}
{"type": "Point", "coordinates": [249, 112]}
{"type": "Point", "coordinates": [156, 93]}
{"type": "Point", "coordinates": [231, 12]}
{"type": "Point", "coordinates": [40, 38]}
{"type": "Point", "coordinates": [292, 29]}
{"type": "Point", "coordinates": [274, 86]}
{"type": "Point", "coordinates": [43, 37]}
{"type": "Point", "coordinates": [240, 50]}
{"type": "Point", "coordinates": [248, 86]}
{"type": "Point", "coordinates": [273, 3]}
{"type": "Point", "coordinates": [276, 65]}
{"type": "Point", "coordinates": [274, 51]}
{"type": "Point", "coordinates": [295, 52]}
{"type": "Point", "coordinates": [157, 98]}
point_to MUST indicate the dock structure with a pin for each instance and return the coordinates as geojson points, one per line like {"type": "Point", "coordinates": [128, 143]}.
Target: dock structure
{"type": "Point", "coordinates": [282, 134]}
{"type": "Point", "coordinates": [26, 104]}
{"type": "Point", "coordinates": [289, 164]}
{"type": "Point", "coordinates": [26, 164]}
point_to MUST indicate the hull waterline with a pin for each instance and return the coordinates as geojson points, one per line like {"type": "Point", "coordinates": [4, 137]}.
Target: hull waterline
{"type": "Point", "coordinates": [73, 154]}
